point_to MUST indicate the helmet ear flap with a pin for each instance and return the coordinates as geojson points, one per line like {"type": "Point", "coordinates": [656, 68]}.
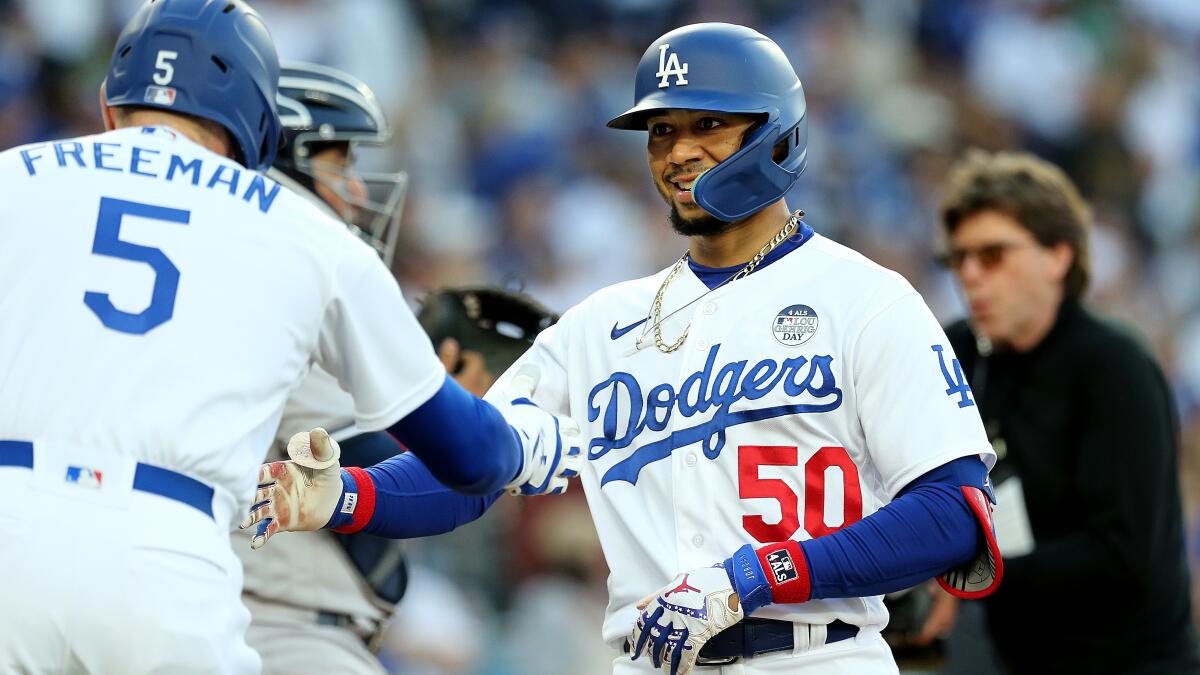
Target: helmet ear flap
{"type": "Point", "coordinates": [734, 189]}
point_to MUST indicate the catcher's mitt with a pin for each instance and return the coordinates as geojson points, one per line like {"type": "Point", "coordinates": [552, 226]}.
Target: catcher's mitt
{"type": "Point", "coordinates": [498, 324]}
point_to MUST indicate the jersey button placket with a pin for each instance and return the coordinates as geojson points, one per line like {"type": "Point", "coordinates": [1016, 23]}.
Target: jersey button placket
{"type": "Point", "coordinates": [693, 503]}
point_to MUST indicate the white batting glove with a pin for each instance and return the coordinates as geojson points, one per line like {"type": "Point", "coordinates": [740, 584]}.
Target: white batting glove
{"type": "Point", "coordinates": [550, 445]}
{"type": "Point", "coordinates": [299, 494]}
{"type": "Point", "coordinates": [679, 618]}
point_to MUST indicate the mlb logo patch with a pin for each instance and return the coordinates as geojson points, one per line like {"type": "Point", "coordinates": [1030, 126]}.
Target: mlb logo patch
{"type": "Point", "coordinates": [84, 476]}
{"type": "Point", "coordinates": [782, 566]}
{"type": "Point", "coordinates": [160, 95]}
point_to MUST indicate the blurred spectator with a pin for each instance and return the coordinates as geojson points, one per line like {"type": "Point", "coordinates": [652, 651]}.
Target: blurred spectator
{"type": "Point", "coordinates": [1083, 423]}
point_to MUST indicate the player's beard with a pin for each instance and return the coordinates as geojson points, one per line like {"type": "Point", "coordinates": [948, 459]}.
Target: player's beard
{"type": "Point", "coordinates": [702, 226]}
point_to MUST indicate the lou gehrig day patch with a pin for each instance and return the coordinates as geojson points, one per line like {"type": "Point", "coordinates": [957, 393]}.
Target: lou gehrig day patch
{"type": "Point", "coordinates": [795, 325]}
{"type": "Point", "coordinates": [782, 566]}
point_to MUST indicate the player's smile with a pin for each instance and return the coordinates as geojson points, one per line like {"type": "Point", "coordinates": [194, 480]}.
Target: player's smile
{"type": "Point", "coordinates": [683, 185]}
{"type": "Point", "coordinates": [683, 144]}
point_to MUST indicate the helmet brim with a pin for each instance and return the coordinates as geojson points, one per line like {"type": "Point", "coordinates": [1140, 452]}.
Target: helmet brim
{"type": "Point", "coordinates": [635, 118]}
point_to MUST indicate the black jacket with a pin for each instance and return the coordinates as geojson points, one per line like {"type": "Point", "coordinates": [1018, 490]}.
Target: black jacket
{"type": "Point", "coordinates": [1086, 420]}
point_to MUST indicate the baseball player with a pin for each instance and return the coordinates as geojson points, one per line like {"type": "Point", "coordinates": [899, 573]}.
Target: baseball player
{"type": "Point", "coordinates": [154, 327]}
{"type": "Point", "coordinates": [353, 582]}
{"type": "Point", "coordinates": [778, 432]}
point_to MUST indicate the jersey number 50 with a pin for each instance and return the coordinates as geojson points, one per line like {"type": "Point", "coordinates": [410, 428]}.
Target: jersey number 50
{"type": "Point", "coordinates": [166, 276]}
{"type": "Point", "coordinates": [816, 472]}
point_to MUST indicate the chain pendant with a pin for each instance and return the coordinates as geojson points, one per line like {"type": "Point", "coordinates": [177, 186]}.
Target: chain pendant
{"type": "Point", "coordinates": [656, 317]}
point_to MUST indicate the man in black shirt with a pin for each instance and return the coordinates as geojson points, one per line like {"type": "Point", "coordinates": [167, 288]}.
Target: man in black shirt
{"type": "Point", "coordinates": [1080, 414]}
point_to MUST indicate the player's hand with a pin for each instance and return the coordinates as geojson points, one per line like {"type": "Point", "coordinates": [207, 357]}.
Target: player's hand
{"type": "Point", "coordinates": [468, 368]}
{"type": "Point", "coordinates": [550, 444]}
{"type": "Point", "coordinates": [940, 620]}
{"type": "Point", "coordinates": [679, 618]}
{"type": "Point", "coordinates": [299, 494]}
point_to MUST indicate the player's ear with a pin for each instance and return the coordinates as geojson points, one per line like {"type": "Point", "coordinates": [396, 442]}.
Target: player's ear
{"type": "Point", "coordinates": [106, 111]}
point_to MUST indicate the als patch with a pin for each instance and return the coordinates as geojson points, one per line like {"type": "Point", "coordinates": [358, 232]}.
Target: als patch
{"type": "Point", "coordinates": [782, 567]}
{"type": "Point", "coordinates": [795, 325]}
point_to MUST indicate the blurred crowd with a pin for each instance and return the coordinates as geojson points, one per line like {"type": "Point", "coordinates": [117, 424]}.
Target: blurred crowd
{"type": "Point", "coordinates": [499, 106]}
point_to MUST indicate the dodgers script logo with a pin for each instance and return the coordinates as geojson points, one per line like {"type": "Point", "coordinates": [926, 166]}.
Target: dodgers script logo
{"type": "Point", "coordinates": [628, 412]}
{"type": "Point", "coordinates": [668, 66]}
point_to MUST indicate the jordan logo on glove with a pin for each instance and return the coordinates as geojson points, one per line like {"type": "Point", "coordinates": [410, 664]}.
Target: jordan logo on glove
{"type": "Point", "coordinates": [683, 587]}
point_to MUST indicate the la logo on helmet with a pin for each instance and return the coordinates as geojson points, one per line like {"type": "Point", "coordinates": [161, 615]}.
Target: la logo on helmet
{"type": "Point", "coordinates": [669, 66]}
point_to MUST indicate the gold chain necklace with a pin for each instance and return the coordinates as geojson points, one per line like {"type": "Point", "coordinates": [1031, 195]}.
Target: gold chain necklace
{"type": "Point", "coordinates": [656, 317]}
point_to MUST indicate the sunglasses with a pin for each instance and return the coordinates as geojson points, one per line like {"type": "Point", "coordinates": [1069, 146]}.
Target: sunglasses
{"type": "Point", "coordinates": [988, 255]}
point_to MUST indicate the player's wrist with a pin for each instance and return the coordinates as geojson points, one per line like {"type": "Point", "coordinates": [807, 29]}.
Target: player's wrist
{"type": "Point", "coordinates": [748, 579]}
{"type": "Point", "coordinates": [356, 504]}
{"type": "Point", "coordinates": [775, 573]}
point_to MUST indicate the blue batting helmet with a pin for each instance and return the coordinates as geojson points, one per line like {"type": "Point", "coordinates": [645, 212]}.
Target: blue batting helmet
{"type": "Point", "coordinates": [208, 58]}
{"type": "Point", "coordinates": [727, 68]}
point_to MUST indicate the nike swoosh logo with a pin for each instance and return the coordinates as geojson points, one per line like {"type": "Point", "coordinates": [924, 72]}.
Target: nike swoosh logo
{"type": "Point", "coordinates": [618, 332]}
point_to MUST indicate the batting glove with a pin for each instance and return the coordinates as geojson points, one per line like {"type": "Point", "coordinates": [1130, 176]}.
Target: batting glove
{"type": "Point", "coordinates": [300, 494]}
{"type": "Point", "coordinates": [550, 444]}
{"type": "Point", "coordinates": [677, 620]}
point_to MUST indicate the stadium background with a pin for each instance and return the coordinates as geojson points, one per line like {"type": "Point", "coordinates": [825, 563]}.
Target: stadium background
{"type": "Point", "coordinates": [499, 109]}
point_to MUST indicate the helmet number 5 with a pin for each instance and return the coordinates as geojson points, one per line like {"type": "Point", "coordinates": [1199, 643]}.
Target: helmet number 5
{"type": "Point", "coordinates": [164, 70]}
{"type": "Point", "coordinates": [166, 276]}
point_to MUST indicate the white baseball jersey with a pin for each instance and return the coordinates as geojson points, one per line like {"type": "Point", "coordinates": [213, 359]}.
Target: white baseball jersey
{"type": "Point", "coordinates": [806, 395]}
{"type": "Point", "coordinates": [161, 301]}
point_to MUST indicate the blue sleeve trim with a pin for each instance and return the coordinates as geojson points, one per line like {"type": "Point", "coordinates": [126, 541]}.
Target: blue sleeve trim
{"type": "Point", "coordinates": [748, 579]}
{"type": "Point", "coordinates": [339, 519]}
{"type": "Point", "coordinates": [464, 441]}
{"type": "Point", "coordinates": [410, 502]}
{"type": "Point", "coordinates": [926, 530]}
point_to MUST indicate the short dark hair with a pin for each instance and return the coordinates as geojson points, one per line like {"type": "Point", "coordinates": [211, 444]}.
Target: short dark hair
{"type": "Point", "coordinates": [1030, 190]}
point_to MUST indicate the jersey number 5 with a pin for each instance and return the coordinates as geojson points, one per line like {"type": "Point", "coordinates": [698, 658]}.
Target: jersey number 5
{"type": "Point", "coordinates": [816, 473]}
{"type": "Point", "coordinates": [166, 276]}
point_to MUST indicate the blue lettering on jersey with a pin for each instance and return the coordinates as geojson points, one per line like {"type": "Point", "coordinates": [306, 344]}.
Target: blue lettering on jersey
{"type": "Point", "coordinates": [192, 167]}
{"type": "Point", "coordinates": [61, 152]}
{"type": "Point", "coordinates": [958, 383]}
{"type": "Point", "coordinates": [260, 191]}
{"type": "Point", "coordinates": [699, 392]}
{"type": "Point", "coordinates": [27, 156]}
{"type": "Point", "coordinates": [265, 197]}
{"type": "Point", "coordinates": [218, 180]}
{"type": "Point", "coordinates": [136, 160]}
{"type": "Point", "coordinates": [100, 155]}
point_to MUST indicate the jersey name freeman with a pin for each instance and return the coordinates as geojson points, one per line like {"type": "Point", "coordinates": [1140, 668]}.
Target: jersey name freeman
{"type": "Point", "coordinates": [118, 157]}
{"type": "Point", "coordinates": [627, 408]}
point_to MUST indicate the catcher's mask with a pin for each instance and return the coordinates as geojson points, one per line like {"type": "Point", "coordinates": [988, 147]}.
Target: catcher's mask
{"type": "Point", "coordinates": [319, 107]}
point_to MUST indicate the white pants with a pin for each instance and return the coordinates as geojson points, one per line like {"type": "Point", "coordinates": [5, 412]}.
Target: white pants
{"type": "Point", "coordinates": [106, 579]}
{"type": "Point", "coordinates": [865, 654]}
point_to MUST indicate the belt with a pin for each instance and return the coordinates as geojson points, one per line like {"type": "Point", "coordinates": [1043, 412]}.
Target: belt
{"type": "Point", "coordinates": [146, 478]}
{"type": "Point", "coordinates": [753, 637]}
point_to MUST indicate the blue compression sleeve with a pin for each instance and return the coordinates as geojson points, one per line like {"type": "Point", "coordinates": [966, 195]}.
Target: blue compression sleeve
{"type": "Point", "coordinates": [925, 531]}
{"type": "Point", "coordinates": [407, 501]}
{"type": "Point", "coordinates": [410, 502]}
{"type": "Point", "coordinates": [369, 448]}
{"type": "Point", "coordinates": [464, 441]}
